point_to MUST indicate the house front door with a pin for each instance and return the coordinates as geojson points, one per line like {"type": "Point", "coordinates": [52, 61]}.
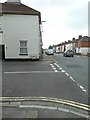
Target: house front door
{"type": "Point", "coordinates": [2, 52]}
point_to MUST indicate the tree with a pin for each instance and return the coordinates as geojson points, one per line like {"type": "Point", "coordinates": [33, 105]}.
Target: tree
{"type": "Point", "coordinates": [50, 47]}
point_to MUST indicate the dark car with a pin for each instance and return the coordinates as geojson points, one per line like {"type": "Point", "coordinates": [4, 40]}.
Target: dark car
{"type": "Point", "coordinates": [68, 53]}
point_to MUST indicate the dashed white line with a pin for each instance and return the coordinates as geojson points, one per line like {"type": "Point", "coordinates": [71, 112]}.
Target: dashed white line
{"type": "Point", "coordinates": [81, 87]}
{"type": "Point", "coordinates": [63, 70]}
{"type": "Point", "coordinates": [67, 74]}
{"type": "Point", "coordinates": [56, 70]}
{"type": "Point", "coordinates": [57, 65]}
{"type": "Point", "coordinates": [71, 78]}
{"type": "Point", "coordinates": [84, 90]}
{"type": "Point", "coordinates": [52, 65]}
{"type": "Point", "coordinates": [60, 68]}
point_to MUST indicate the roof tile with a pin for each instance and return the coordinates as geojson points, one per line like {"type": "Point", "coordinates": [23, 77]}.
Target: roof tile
{"type": "Point", "coordinates": [18, 8]}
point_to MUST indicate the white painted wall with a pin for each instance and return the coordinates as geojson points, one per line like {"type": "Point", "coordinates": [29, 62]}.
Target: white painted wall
{"type": "Point", "coordinates": [84, 50]}
{"type": "Point", "coordinates": [62, 48]}
{"type": "Point", "coordinates": [21, 27]}
{"type": "Point", "coordinates": [69, 46]}
{"type": "Point", "coordinates": [1, 29]}
{"type": "Point", "coordinates": [0, 38]}
{"type": "Point", "coordinates": [57, 49]}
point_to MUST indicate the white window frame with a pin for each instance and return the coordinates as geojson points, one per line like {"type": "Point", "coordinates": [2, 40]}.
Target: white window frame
{"type": "Point", "coordinates": [23, 47]}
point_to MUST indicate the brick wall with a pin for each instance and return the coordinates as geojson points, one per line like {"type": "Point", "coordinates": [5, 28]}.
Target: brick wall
{"type": "Point", "coordinates": [84, 44]}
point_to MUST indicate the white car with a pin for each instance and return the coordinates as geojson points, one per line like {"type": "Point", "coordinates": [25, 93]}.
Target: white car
{"type": "Point", "coordinates": [49, 52]}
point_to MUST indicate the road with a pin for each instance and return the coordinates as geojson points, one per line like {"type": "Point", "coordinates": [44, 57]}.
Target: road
{"type": "Point", "coordinates": [76, 67]}
{"type": "Point", "coordinates": [42, 78]}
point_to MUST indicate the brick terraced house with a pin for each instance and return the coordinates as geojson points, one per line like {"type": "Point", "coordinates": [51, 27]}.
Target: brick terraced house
{"type": "Point", "coordinates": [79, 46]}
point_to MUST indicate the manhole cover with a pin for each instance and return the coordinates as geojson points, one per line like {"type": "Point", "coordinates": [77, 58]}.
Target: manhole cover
{"type": "Point", "coordinates": [73, 66]}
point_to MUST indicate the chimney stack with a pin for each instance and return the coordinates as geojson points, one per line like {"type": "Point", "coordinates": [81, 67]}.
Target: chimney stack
{"type": "Point", "coordinates": [73, 39]}
{"type": "Point", "coordinates": [80, 36]}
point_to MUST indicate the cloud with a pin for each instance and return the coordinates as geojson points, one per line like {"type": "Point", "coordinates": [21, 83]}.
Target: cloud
{"type": "Point", "coordinates": [78, 17]}
{"type": "Point", "coordinates": [65, 19]}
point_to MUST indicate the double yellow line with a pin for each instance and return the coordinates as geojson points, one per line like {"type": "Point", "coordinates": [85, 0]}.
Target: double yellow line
{"type": "Point", "coordinates": [47, 99]}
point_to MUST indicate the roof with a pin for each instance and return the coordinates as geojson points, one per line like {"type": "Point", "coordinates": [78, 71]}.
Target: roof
{"type": "Point", "coordinates": [85, 39]}
{"type": "Point", "coordinates": [19, 9]}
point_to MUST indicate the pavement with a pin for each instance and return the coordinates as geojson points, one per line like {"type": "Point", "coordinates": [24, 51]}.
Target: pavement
{"type": "Point", "coordinates": [43, 107]}
{"type": "Point", "coordinates": [36, 113]}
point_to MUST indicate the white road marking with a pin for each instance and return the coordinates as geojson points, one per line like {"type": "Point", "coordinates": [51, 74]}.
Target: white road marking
{"type": "Point", "coordinates": [81, 87]}
{"type": "Point", "coordinates": [38, 106]}
{"type": "Point", "coordinates": [55, 63]}
{"type": "Point", "coordinates": [67, 74]}
{"type": "Point", "coordinates": [71, 78]}
{"type": "Point", "coordinates": [56, 70]}
{"type": "Point", "coordinates": [30, 72]}
{"type": "Point", "coordinates": [60, 68]}
{"type": "Point", "coordinates": [63, 70]}
{"type": "Point", "coordinates": [84, 90]}
{"type": "Point", "coordinates": [52, 65]}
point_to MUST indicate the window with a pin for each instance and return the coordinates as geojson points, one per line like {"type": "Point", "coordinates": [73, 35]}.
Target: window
{"type": "Point", "coordinates": [23, 48]}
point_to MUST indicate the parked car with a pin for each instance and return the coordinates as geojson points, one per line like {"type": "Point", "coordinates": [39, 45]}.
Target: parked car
{"type": "Point", "coordinates": [49, 52]}
{"type": "Point", "coordinates": [68, 53]}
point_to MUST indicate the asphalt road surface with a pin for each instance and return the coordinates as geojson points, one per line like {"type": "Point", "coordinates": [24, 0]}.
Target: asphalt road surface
{"type": "Point", "coordinates": [42, 78]}
{"type": "Point", "coordinates": [76, 67]}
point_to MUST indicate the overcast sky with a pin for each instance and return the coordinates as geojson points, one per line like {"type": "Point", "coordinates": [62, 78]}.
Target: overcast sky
{"type": "Point", "coordinates": [65, 19]}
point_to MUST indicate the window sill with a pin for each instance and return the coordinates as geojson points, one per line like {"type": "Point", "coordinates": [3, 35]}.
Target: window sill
{"type": "Point", "coordinates": [23, 54]}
